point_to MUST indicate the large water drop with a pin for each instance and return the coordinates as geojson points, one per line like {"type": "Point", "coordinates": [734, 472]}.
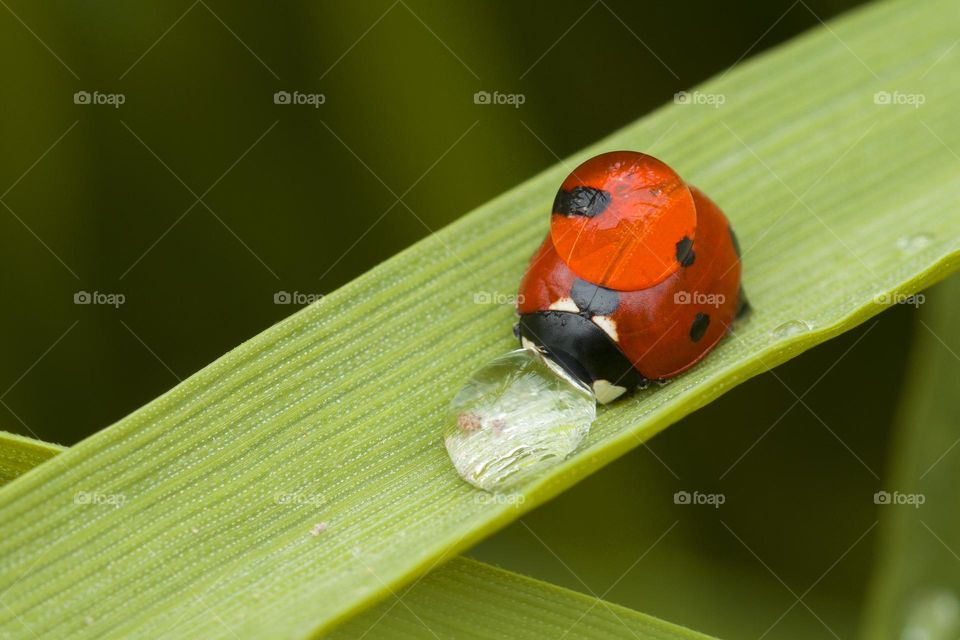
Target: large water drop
{"type": "Point", "coordinates": [515, 417]}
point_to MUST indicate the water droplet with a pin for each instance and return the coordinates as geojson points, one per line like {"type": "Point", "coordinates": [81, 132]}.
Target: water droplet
{"type": "Point", "coordinates": [915, 242]}
{"type": "Point", "coordinates": [515, 417]}
{"type": "Point", "coordinates": [791, 328]}
{"type": "Point", "coordinates": [934, 615]}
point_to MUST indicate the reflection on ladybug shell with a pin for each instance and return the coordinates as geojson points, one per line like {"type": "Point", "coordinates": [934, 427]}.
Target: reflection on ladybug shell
{"type": "Point", "coordinates": [623, 220]}
{"type": "Point", "coordinates": [658, 332]}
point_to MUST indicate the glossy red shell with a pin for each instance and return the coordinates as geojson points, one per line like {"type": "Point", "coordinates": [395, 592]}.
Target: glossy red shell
{"type": "Point", "coordinates": [661, 329]}
{"type": "Point", "coordinates": [618, 220]}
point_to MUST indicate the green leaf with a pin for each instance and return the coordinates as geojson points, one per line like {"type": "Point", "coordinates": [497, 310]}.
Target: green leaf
{"type": "Point", "coordinates": [208, 498]}
{"type": "Point", "coordinates": [916, 589]}
{"type": "Point", "coordinates": [466, 598]}
{"type": "Point", "coordinates": [19, 454]}
{"type": "Point", "coordinates": [463, 597]}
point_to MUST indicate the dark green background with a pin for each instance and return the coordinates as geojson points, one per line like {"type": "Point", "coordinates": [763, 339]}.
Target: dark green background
{"type": "Point", "coordinates": [304, 210]}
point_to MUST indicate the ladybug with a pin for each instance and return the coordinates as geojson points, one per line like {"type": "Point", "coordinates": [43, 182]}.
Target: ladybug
{"type": "Point", "coordinates": [637, 279]}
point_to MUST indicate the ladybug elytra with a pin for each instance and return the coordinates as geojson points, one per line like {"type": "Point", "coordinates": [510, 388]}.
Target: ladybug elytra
{"type": "Point", "coordinates": [637, 279]}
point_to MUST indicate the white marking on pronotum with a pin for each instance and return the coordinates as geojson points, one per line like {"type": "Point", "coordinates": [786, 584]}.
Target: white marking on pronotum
{"type": "Point", "coordinates": [609, 326]}
{"type": "Point", "coordinates": [565, 304]}
{"type": "Point", "coordinates": [528, 344]}
{"type": "Point", "coordinates": [607, 392]}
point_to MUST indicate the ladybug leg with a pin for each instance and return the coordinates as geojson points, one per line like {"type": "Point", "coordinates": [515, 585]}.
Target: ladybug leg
{"type": "Point", "coordinates": [743, 309]}
{"type": "Point", "coordinates": [743, 305]}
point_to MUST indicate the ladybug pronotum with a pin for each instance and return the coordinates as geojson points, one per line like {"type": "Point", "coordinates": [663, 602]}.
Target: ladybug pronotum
{"type": "Point", "coordinates": [637, 279]}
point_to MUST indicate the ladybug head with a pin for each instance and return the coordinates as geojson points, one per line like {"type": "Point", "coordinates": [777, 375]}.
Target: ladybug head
{"type": "Point", "coordinates": [583, 350]}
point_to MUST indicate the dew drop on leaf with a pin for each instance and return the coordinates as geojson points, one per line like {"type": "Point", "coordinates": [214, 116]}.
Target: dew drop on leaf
{"type": "Point", "coordinates": [791, 328]}
{"type": "Point", "coordinates": [514, 418]}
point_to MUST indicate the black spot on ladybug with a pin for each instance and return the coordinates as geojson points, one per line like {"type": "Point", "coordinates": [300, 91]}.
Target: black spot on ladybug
{"type": "Point", "coordinates": [581, 201]}
{"type": "Point", "coordinates": [594, 300]}
{"type": "Point", "coordinates": [699, 326]}
{"type": "Point", "coordinates": [685, 254]}
{"type": "Point", "coordinates": [733, 238]}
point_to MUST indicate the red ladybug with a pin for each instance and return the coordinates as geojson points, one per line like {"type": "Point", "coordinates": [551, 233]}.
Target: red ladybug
{"type": "Point", "coordinates": [638, 279]}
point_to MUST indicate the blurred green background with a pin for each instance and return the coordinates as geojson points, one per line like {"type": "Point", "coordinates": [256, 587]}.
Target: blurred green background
{"type": "Point", "coordinates": [200, 199]}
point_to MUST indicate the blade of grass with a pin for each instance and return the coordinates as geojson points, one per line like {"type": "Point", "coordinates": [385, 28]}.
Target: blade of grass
{"type": "Point", "coordinates": [19, 454]}
{"type": "Point", "coordinates": [916, 590]}
{"type": "Point", "coordinates": [466, 598]}
{"type": "Point", "coordinates": [329, 422]}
